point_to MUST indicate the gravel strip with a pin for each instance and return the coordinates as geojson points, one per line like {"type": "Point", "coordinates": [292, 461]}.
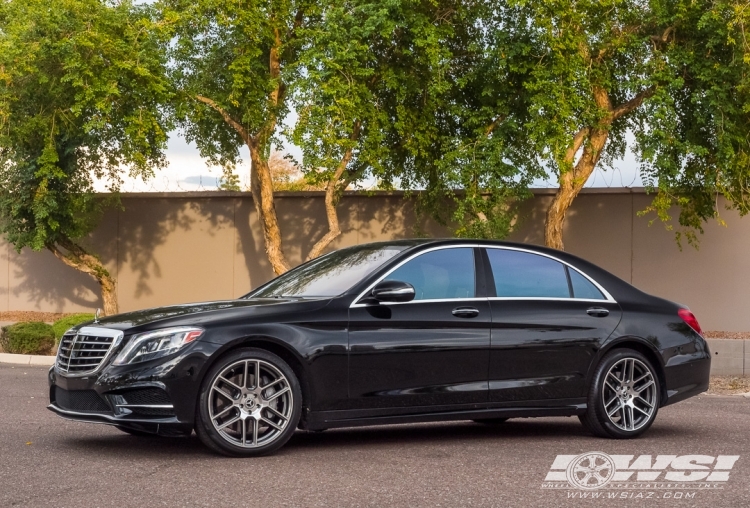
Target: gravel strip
{"type": "Point", "coordinates": [727, 335]}
{"type": "Point", "coordinates": [24, 315]}
{"type": "Point", "coordinates": [729, 385]}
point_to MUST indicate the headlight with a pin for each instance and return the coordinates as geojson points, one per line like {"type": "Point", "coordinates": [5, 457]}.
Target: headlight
{"type": "Point", "coordinates": [150, 345]}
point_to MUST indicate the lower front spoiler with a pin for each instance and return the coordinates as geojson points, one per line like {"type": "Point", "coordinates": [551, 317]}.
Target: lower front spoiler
{"type": "Point", "coordinates": [163, 426]}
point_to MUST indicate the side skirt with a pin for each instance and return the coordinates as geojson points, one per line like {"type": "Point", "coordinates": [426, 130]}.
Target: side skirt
{"type": "Point", "coordinates": [319, 420]}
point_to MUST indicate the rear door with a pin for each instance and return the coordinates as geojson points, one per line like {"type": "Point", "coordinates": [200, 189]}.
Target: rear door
{"type": "Point", "coordinates": [548, 320]}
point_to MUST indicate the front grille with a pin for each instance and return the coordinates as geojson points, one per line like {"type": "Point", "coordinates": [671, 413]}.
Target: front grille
{"type": "Point", "coordinates": [84, 401]}
{"type": "Point", "coordinates": [84, 352]}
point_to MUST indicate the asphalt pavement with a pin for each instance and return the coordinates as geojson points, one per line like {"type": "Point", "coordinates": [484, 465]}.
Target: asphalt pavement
{"type": "Point", "coordinates": [47, 461]}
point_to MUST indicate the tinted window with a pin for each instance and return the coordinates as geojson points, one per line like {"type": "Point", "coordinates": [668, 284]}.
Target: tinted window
{"type": "Point", "coordinates": [583, 288]}
{"type": "Point", "coordinates": [445, 273]}
{"type": "Point", "coordinates": [329, 275]}
{"type": "Point", "coordinates": [522, 274]}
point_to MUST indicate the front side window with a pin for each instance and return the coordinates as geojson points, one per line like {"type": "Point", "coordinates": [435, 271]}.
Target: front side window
{"type": "Point", "coordinates": [329, 275]}
{"type": "Point", "coordinates": [526, 275]}
{"type": "Point", "coordinates": [439, 274]}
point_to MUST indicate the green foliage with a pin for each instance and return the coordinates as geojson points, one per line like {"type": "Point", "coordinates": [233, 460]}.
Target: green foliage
{"type": "Point", "coordinates": [229, 181]}
{"type": "Point", "coordinates": [63, 325]}
{"type": "Point", "coordinates": [82, 94]}
{"type": "Point", "coordinates": [688, 60]}
{"type": "Point", "coordinates": [401, 85]}
{"type": "Point", "coordinates": [31, 338]}
{"type": "Point", "coordinates": [221, 51]}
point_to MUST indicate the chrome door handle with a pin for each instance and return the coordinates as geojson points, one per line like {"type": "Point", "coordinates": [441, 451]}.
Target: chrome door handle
{"type": "Point", "coordinates": [465, 312]}
{"type": "Point", "coordinates": [597, 312]}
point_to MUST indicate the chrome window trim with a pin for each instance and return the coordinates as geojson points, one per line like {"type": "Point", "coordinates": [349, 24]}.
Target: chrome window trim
{"type": "Point", "coordinates": [608, 297]}
{"type": "Point", "coordinates": [95, 331]}
{"type": "Point", "coordinates": [434, 300]}
{"type": "Point", "coordinates": [546, 298]}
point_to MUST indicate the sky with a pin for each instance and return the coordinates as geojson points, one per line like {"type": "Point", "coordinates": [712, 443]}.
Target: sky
{"type": "Point", "coordinates": [187, 171]}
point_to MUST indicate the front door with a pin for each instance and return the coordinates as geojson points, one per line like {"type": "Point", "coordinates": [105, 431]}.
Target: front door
{"type": "Point", "coordinates": [432, 351]}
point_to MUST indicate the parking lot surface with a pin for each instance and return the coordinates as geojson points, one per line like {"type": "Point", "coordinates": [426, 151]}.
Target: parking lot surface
{"type": "Point", "coordinates": [47, 461]}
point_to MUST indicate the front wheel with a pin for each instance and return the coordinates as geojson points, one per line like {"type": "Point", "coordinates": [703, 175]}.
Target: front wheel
{"type": "Point", "coordinates": [249, 404]}
{"type": "Point", "coordinates": [624, 396]}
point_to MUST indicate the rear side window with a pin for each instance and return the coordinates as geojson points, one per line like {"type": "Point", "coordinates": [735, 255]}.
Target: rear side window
{"type": "Point", "coordinates": [439, 274]}
{"type": "Point", "coordinates": [583, 288]}
{"type": "Point", "coordinates": [526, 275]}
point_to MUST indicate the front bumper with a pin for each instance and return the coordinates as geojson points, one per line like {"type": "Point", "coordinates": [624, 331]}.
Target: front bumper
{"type": "Point", "coordinates": [157, 396]}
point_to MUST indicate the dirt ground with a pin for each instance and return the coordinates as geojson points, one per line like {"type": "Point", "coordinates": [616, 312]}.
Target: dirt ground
{"type": "Point", "coordinates": [729, 385]}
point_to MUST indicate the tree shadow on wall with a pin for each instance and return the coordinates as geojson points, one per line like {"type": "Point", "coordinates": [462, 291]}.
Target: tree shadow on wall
{"type": "Point", "coordinates": [125, 241]}
{"type": "Point", "coordinates": [238, 212]}
{"type": "Point", "coordinates": [39, 281]}
{"type": "Point", "coordinates": [137, 243]}
{"type": "Point", "coordinates": [395, 217]}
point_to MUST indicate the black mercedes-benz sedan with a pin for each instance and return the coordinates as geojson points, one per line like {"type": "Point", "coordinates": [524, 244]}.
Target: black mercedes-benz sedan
{"type": "Point", "coordinates": [384, 333]}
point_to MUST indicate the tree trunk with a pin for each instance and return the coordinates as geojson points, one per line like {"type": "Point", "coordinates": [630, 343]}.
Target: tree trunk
{"type": "Point", "coordinates": [261, 187]}
{"type": "Point", "coordinates": [77, 257]}
{"type": "Point", "coordinates": [573, 180]}
{"type": "Point", "coordinates": [331, 200]}
{"type": "Point", "coordinates": [571, 184]}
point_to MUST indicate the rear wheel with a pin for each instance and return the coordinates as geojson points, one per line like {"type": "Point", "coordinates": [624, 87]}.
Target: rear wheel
{"type": "Point", "coordinates": [249, 404]}
{"type": "Point", "coordinates": [624, 396]}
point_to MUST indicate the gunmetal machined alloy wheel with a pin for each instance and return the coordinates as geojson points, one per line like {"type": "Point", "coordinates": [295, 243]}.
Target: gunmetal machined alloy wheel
{"type": "Point", "coordinates": [629, 394]}
{"type": "Point", "coordinates": [249, 404]}
{"type": "Point", "coordinates": [624, 396]}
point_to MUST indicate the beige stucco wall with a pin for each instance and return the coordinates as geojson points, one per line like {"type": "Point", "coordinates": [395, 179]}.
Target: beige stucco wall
{"type": "Point", "coordinates": [202, 246]}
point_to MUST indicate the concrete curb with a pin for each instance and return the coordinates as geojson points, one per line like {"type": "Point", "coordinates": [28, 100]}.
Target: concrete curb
{"type": "Point", "coordinates": [40, 360]}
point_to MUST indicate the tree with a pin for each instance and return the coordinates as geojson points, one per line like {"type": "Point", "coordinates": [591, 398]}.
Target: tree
{"type": "Point", "coordinates": [233, 65]}
{"type": "Point", "coordinates": [81, 93]}
{"type": "Point", "coordinates": [361, 64]}
{"type": "Point", "coordinates": [669, 72]}
{"type": "Point", "coordinates": [393, 91]}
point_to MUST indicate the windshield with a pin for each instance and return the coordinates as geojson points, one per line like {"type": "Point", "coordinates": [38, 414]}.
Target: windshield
{"type": "Point", "coordinates": [329, 275]}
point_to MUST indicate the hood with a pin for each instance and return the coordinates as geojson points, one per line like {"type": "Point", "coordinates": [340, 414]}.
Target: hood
{"type": "Point", "coordinates": [199, 313]}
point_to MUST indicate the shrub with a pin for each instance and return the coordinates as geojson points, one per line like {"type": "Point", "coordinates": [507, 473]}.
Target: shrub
{"type": "Point", "coordinates": [32, 338]}
{"type": "Point", "coordinates": [63, 325]}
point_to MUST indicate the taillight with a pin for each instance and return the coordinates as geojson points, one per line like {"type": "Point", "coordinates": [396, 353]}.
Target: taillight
{"type": "Point", "coordinates": [690, 320]}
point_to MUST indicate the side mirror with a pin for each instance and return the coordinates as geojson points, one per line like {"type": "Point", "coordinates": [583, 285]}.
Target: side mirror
{"type": "Point", "coordinates": [393, 291]}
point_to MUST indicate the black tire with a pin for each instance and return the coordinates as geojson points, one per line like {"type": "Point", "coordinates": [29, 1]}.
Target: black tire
{"type": "Point", "coordinates": [136, 433]}
{"type": "Point", "coordinates": [491, 421]}
{"type": "Point", "coordinates": [219, 442]}
{"type": "Point", "coordinates": [625, 422]}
